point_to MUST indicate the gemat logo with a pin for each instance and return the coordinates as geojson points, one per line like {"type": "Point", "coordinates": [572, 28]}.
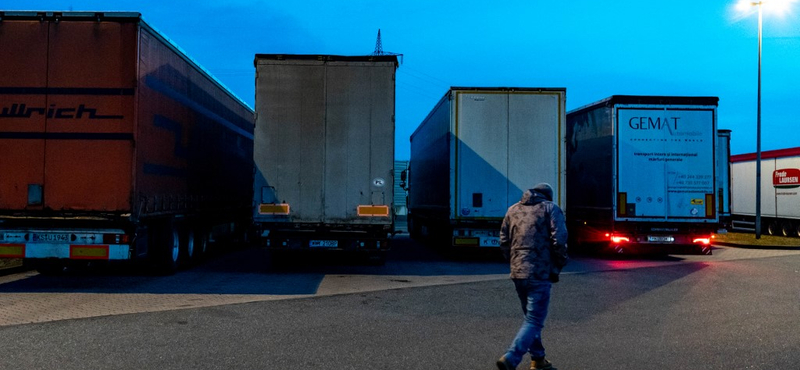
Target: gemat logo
{"type": "Point", "coordinates": [54, 112]}
{"type": "Point", "coordinates": [654, 123]}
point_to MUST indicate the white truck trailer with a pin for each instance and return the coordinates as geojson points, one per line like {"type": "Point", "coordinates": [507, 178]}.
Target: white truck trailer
{"type": "Point", "coordinates": [474, 155]}
{"type": "Point", "coordinates": [780, 186]}
{"type": "Point", "coordinates": [324, 152]}
{"type": "Point", "coordinates": [642, 173]}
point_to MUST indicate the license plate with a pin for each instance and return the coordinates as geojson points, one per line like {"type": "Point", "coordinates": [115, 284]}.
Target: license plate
{"type": "Point", "coordinates": [490, 241]}
{"type": "Point", "coordinates": [50, 238]}
{"type": "Point", "coordinates": [323, 244]}
{"type": "Point", "coordinates": [660, 239]}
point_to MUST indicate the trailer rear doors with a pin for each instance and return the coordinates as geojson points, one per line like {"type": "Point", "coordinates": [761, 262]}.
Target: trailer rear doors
{"type": "Point", "coordinates": [665, 163]}
{"type": "Point", "coordinates": [66, 118]}
{"type": "Point", "coordinates": [507, 142]}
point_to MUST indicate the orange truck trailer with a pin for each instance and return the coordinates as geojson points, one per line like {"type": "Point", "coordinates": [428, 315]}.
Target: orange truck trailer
{"type": "Point", "coordinates": [114, 144]}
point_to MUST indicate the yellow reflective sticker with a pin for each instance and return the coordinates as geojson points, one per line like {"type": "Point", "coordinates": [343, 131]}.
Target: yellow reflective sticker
{"type": "Point", "coordinates": [466, 241]}
{"type": "Point", "coordinates": [373, 211]}
{"type": "Point", "coordinates": [273, 209]}
{"type": "Point", "coordinates": [12, 250]}
{"type": "Point", "coordinates": [88, 252]}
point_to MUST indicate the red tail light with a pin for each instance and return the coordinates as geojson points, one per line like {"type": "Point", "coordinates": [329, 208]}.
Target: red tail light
{"type": "Point", "coordinates": [704, 241]}
{"type": "Point", "coordinates": [115, 238]}
{"type": "Point", "coordinates": [617, 239]}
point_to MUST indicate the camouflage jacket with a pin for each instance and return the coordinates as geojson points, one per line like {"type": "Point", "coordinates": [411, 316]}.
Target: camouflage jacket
{"type": "Point", "coordinates": [534, 237]}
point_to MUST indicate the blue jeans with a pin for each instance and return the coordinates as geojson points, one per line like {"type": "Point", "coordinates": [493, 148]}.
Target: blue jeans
{"type": "Point", "coordinates": [534, 295]}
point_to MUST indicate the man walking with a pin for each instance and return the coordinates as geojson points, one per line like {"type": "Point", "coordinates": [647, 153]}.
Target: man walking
{"type": "Point", "coordinates": [534, 238]}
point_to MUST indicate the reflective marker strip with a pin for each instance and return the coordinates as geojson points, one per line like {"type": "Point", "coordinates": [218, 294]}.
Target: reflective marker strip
{"type": "Point", "coordinates": [65, 251]}
{"type": "Point", "coordinates": [273, 209]}
{"type": "Point", "coordinates": [466, 241]}
{"type": "Point", "coordinates": [88, 252]}
{"type": "Point", "coordinates": [12, 250]}
{"type": "Point", "coordinates": [373, 211]}
{"type": "Point", "coordinates": [710, 206]}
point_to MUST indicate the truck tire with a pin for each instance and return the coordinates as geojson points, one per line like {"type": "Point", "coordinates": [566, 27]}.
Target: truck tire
{"type": "Point", "coordinates": [772, 228]}
{"type": "Point", "coordinates": [188, 246]}
{"type": "Point", "coordinates": [201, 238]}
{"type": "Point", "coordinates": [787, 229]}
{"type": "Point", "coordinates": [165, 246]}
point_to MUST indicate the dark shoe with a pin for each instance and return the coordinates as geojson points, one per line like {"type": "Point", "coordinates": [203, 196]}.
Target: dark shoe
{"type": "Point", "coordinates": [503, 364]}
{"type": "Point", "coordinates": [541, 364]}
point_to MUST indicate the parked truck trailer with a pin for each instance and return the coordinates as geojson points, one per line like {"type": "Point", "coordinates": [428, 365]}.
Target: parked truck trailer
{"type": "Point", "coordinates": [780, 184]}
{"type": "Point", "coordinates": [641, 173]}
{"type": "Point", "coordinates": [324, 152]}
{"type": "Point", "coordinates": [114, 145]}
{"type": "Point", "coordinates": [474, 155]}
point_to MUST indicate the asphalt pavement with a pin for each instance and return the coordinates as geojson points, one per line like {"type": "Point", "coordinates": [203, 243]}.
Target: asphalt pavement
{"type": "Point", "coordinates": [736, 309]}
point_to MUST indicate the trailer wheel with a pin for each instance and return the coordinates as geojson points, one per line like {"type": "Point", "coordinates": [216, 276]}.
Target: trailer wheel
{"type": "Point", "coordinates": [166, 248]}
{"type": "Point", "coordinates": [786, 228]}
{"type": "Point", "coordinates": [200, 244]}
{"type": "Point", "coordinates": [772, 228]}
{"type": "Point", "coordinates": [189, 248]}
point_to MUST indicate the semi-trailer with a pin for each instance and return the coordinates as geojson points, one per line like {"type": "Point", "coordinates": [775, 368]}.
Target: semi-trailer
{"type": "Point", "coordinates": [474, 155]}
{"type": "Point", "coordinates": [642, 175]}
{"type": "Point", "coordinates": [780, 196]}
{"type": "Point", "coordinates": [324, 153]}
{"type": "Point", "coordinates": [114, 144]}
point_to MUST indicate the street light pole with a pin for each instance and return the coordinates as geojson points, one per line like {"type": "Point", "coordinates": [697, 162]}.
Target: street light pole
{"type": "Point", "coordinates": [758, 130]}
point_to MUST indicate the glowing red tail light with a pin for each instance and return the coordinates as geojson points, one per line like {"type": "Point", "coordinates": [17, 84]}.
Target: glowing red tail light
{"type": "Point", "coordinates": [704, 241]}
{"type": "Point", "coordinates": [619, 239]}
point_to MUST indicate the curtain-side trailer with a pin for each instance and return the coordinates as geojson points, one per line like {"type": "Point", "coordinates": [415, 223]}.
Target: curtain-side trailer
{"type": "Point", "coordinates": [780, 191]}
{"type": "Point", "coordinates": [324, 152]}
{"type": "Point", "coordinates": [114, 145]}
{"type": "Point", "coordinates": [641, 173]}
{"type": "Point", "coordinates": [474, 155]}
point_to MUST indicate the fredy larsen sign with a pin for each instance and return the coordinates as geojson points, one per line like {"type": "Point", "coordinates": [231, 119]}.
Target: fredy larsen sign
{"type": "Point", "coordinates": [786, 178]}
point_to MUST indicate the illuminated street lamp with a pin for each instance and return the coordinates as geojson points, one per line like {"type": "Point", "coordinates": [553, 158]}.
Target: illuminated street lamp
{"type": "Point", "coordinates": [778, 6]}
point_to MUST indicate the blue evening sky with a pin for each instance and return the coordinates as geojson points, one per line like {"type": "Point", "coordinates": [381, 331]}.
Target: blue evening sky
{"type": "Point", "coordinates": [593, 48]}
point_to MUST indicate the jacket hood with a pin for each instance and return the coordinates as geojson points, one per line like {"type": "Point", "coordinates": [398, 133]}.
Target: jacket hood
{"type": "Point", "coordinates": [531, 197]}
{"type": "Point", "coordinates": [540, 193]}
{"type": "Point", "coordinates": [544, 189]}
